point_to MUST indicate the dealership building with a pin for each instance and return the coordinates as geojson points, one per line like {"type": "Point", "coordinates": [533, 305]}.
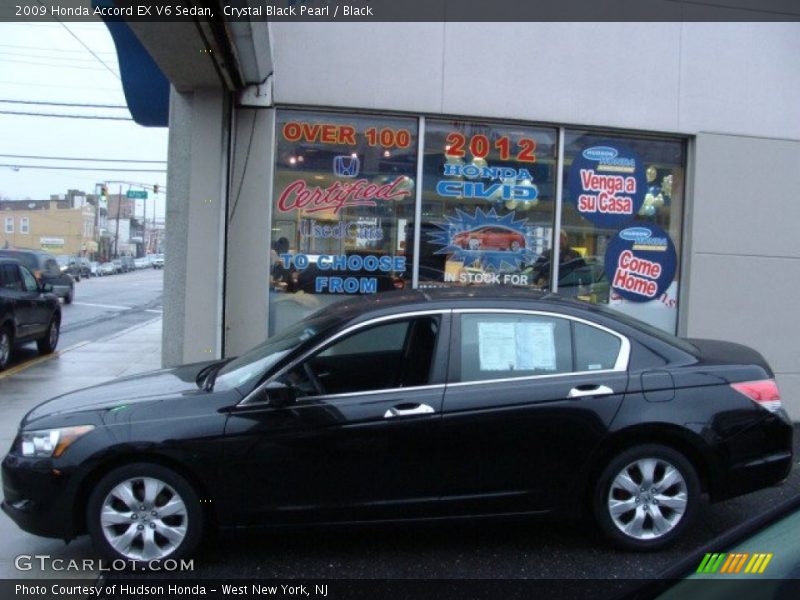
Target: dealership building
{"type": "Point", "coordinates": [647, 166]}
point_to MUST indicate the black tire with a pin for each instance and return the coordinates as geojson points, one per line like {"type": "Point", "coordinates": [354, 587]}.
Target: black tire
{"type": "Point", "coordinates": [48, 343]}
{"type": "Point", "coordinates": [192, 520]}
{"type": "Point", "coordinates": [6, 346]}
{"type": "Point", "coordinates": [647, 508]}
{"type": "Point", "coordinates": [70, 296]}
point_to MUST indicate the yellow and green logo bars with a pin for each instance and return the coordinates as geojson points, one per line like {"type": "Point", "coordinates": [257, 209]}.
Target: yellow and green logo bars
{"type": "Point", "coordinates": [734, 563]}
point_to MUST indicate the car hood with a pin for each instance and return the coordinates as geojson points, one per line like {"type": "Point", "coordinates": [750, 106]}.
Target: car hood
{"type": "Point", "coordinates": [134, 389]}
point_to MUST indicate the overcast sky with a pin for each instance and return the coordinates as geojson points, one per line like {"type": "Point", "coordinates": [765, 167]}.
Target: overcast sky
{"type": "Point", "coordinates": [43, 62]}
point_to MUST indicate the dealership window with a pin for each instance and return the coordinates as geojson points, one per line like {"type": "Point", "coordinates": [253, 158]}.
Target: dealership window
{"type": "Point", "coordinates": [488, 202]}
{"type": "Point", "coordinates": [621, 219]}
{"type": "Point", "coordinates": [342, 209]}
{"type": "Point", "coordinates": [9, 225]}
{"type": "Point", "coordinates": [24, 225]}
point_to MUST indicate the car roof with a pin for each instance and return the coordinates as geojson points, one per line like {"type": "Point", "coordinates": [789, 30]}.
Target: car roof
{"type": "Point", "coordinates": [451, 297]}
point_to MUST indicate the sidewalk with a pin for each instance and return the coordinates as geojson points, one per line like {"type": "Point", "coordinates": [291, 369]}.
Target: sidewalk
{"type": "Point", "coordinates": [134, 350]}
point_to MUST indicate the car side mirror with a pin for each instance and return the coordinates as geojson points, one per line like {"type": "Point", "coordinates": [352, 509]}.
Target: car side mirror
{"type": "Point", "coordinates": [280, 395]}
{"type": "Point", "coordinates": [47, 288]}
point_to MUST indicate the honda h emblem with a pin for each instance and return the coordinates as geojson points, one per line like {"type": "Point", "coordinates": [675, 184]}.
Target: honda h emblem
{"type": "Point", "coordinates": [346, 165]}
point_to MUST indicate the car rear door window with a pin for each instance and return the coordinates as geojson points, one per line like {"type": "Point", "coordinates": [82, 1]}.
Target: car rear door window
{"type": "Point", "coordinates": [501, 346]}
{"type": "Point", "coordinates": [595, 349]}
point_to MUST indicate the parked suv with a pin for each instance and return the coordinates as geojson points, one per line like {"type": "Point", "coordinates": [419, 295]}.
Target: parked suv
{"type": "Point", "coordinates": [45, 268]}
{"type": "Point", "coordinates": [28, 311]}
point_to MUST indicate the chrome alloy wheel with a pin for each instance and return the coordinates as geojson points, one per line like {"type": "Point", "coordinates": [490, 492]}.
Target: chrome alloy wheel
{"type": "Point", "coordinates": [143, 518]}
{"type": "Point", "coordinates": [647, 498]}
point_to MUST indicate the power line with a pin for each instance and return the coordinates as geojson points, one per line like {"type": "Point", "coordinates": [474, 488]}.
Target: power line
{"type": "Point", "coordinates": [56, 168]}
{"type": "Point", "coordinates": [60, 66]}
{"type": "Point", "coordinates": [51, 49]}
{"type": "Point", "coordinates": [45, 57]}
{"type": "Point", "coordinates": [74, 104]}
{"type": "Point", "coordinates": [80, 41]}
{"type": "Point", "coordinates": [27, 84]}
{"type": "Point", "coordinates": [127, 160]}
{"type": "Point", "coordinates": [32, 114]}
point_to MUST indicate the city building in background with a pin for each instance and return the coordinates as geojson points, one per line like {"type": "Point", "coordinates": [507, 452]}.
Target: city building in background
{"type": "Point", "coordinates": [61, 225]}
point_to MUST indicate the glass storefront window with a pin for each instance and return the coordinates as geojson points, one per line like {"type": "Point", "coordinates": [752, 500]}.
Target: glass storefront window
{"type": "Point", "coordinates": [344, 195]}
{"type": "Point", "coordinates": [487, 203]}
{"type": "Point", "coordinates": [621, 223]}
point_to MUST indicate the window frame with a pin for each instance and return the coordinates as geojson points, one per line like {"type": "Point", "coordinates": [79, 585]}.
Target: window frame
{"type": "Point", "coordinates": [24, 226]}
{"type": "Point", "coordinates": [9, 224]}
{"type": "Point", "coordinates": [454, 372]}
{"type": "Point", "coordinates": [444, 332]}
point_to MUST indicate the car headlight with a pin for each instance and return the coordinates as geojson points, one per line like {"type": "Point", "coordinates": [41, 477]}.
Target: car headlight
{"type": "Point", "coordinates": [51, 442]}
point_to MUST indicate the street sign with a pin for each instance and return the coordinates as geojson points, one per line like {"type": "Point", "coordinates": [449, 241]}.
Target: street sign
{"type": "Point", "coordinates": [137, 194]}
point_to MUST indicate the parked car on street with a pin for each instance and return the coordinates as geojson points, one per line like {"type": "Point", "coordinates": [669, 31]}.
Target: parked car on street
{"type": "Point", "coordinates": [93, 267]}
{"type": "Point", "coordinates": [85, 266]}
{"type": "Point", "coordinates": [29, 311]}
{"type": "Point", "coordinates": [45, 268]}
{"type": "Point", "coordinates": [141, 263]}
{"type": "Point", "coordinates": [413, 404]}
{"type": "Point", "coordinates": [106, 268]}
{"type": "Point", "coordinates": [127, 263]}
{"type": "Point", "coordinates": [158, 261]}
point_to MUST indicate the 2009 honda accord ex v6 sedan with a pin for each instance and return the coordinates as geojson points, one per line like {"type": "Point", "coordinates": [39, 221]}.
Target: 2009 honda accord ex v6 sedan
{"type": "Point", "coordinates": [409, 405]}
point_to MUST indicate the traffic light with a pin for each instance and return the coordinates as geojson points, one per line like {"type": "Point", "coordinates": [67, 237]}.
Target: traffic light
{"type": "Point", "coordinates": [104, 190]}
{"type": "Point", "coordinates": [155, 188]}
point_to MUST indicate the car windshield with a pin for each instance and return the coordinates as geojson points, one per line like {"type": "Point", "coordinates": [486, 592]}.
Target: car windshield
{"type": "Point", "coordinates": [249, 366]}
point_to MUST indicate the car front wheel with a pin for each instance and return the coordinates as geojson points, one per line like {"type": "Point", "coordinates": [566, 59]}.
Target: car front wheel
{"type": "Point", "coordinates": [646, 497]}
{"type": "Point", "coordinates": [70, 296]}
{"type": "Point", "coordinates": [144, 512]}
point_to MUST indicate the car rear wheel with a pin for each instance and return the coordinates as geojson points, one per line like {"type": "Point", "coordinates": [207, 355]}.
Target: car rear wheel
{"type": "Point", "coordinates": [646, 497]}
{"type": "Point", "coordinates": [143, 512]}
{"type": "Point", "coordinates": [48, 343]}
{"type": "Point", "coordinates": [70, 296]}
{"type": "Point", "coordinates": [6, 347]}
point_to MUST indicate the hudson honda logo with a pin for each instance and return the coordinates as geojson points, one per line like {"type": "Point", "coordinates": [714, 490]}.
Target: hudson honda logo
{"type": "Point", "coordinates": [600, 153]}
{"type": "Point", "coordinates": [346, 165]}
{"type": "Point", "coordinates": [640, 262]}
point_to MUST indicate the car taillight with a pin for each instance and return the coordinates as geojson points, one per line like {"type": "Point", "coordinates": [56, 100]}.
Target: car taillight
{"type": "Point", "coordinates": [764, 392]}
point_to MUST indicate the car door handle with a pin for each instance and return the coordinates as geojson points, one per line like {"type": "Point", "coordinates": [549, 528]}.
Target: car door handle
{"type": "Point", "coordinates": [583, 391]}
{"type": "Point", "coordinates": [408, 410]}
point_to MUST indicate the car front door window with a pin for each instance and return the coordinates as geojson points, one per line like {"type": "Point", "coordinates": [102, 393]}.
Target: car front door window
{"type": "Point", "coordinates": [29, 280]}
{"type": "Point", "coordinates": [386, 356]}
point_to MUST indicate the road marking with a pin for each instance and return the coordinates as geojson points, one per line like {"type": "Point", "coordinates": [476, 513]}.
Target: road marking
{"type": "Point", "coordinates": [111, 306]}
{"type": "Point", "coordinates": [39, 360]}
{"type": "Point", "coordinates": [153, 310]}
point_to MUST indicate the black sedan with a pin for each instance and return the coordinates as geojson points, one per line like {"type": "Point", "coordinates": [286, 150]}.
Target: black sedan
{"type": "Point", "coordinates": [29, 311]}
{"type": "Point", "coordinates": [409, 405]}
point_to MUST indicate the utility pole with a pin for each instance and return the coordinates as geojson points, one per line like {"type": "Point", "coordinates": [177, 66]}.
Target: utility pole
{"type": "Point", "coordinates": [116, 235]}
